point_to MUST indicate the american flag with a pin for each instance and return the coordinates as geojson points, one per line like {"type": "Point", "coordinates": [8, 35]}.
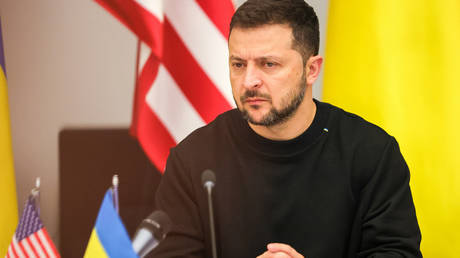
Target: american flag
{"type": "Point", "coordinates": [31, 238]}
{"type": "Point", "coordinates": [183, 77]}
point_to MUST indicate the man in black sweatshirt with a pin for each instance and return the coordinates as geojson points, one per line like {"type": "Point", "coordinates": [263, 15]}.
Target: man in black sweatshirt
{"type": "Point", "coordinates": [295, 177]}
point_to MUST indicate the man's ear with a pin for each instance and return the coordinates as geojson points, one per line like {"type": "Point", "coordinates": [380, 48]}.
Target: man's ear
{"type": "Point", "coordinates": [312, 68]}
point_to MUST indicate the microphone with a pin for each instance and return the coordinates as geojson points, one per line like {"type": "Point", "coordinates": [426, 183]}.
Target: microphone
{"type": "Point", "coordinates": [208, 179]}
{"type": "Point", "coordinates": [149, 234]}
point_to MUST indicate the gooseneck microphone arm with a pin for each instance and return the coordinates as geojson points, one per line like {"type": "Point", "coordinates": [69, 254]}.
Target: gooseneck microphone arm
{"type": "Point", "coordinates": [208, 179]}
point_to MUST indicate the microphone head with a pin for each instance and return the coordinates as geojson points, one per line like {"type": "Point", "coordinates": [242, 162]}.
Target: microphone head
{"type": "Point", "coordinates": [159, 223]}
{"type": "Point", "coordinates": [208, 177]}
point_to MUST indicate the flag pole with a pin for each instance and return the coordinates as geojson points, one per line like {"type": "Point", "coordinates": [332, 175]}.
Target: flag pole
{"type": "Point", "coordinates": [35, 194]}
{"type": "Point", "coordinates": [133, 127]}
{"type": "Point", "coordinates": [115, 192]}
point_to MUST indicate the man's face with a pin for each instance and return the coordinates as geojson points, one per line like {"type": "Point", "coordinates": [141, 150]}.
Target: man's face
{"type": "Point", "coordinates": [266, 73]}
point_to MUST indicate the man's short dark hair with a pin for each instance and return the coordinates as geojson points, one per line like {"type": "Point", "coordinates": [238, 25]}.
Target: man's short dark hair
{"type": "Point", "coordinates": [296, 13]}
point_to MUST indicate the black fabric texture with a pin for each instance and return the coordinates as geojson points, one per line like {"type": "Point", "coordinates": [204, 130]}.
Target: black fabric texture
{"type": "Point", "coordinates": [341, 189]}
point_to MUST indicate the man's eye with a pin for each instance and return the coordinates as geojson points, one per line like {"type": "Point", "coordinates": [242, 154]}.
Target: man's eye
{"type": "Point", "coordinates": [237, 65]}
{"type": "Point", "coordinates": [270, 64]}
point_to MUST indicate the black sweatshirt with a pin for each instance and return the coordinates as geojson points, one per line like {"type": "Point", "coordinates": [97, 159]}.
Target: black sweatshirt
{"type": "Point", "coordinates": [341, 189]}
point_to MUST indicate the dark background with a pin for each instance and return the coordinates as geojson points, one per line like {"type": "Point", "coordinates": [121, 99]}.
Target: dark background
{"type": "Point", "coordinates": [88, 158]}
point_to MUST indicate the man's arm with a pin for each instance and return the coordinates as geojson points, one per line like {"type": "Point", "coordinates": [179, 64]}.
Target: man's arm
{"type": "Point", "coordinates": [389, 224]}
{"type": "Point", "coordinates": [175, 196]}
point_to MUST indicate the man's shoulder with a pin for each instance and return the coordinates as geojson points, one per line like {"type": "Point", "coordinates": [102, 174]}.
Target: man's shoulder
{"type": "Point", "coordinates": [363, 144]}
{"type": "Point", "coordinates": [358, 139]}
{"type": "Point", "coordinates": [354, 127]}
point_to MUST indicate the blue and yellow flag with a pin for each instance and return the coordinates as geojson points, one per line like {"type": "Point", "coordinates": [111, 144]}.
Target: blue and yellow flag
{"type": "Point", "coordinates": [8, 204]}
{"type": "Point", "coordinates": [109, 237]}
{"type": "Point", "coordinates": [396, 63]}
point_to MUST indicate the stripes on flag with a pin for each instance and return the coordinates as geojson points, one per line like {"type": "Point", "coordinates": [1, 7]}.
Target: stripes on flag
{"type": "Point", "coordinates": [31, 238]}
{"type": "Point", "coordinates": [145, 24]}
{"type": "Point", "coordinates": [209, 49]}
{"type": "Point", "coordinates": [192, 79]}
{"type": "Point", "coordinates": [180, 124]}
{"type": "Point", "coordinates": [183, 80]}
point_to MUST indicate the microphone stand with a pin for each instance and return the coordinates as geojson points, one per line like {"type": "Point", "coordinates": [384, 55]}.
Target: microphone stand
{"type": "Point", "coordinates": [209, 186]}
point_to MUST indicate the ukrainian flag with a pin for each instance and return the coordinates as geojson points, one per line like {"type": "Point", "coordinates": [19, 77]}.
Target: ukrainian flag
{"type": "Point", "coordinates": [397, 63]}
{"type": "Point", "coordinates": [8, 204]}
{"type": "Point", "coordinates": [109, 237]}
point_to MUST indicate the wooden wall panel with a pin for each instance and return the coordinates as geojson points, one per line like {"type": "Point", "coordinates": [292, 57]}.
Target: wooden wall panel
{"type": "Point", "coordinates": [88, 158]}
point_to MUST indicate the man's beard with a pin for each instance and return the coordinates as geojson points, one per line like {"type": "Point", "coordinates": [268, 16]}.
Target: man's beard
{"type": "Point", "coordinates": [276, 116]}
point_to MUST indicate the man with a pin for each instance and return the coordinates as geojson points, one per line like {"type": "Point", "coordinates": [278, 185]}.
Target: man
{"type": "Point", "coordinates": [294, 177]}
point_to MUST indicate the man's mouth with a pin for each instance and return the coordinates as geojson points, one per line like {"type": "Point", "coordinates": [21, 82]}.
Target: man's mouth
{"type": "Point", "coordinates": [255, 101]}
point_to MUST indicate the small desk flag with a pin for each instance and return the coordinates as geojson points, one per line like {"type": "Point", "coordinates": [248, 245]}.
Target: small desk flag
{"type": "Point", "coordinates": [109, 237]}
{"type": "Point", "coordinates": [31, 238]}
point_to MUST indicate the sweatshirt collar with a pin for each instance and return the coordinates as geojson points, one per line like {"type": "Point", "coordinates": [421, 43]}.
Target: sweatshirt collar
{"type": "Point", "coordinates": [246, 136]}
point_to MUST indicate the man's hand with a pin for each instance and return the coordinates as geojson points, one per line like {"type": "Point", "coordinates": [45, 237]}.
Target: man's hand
{"type": "Point", "coordinates": [276, 250]}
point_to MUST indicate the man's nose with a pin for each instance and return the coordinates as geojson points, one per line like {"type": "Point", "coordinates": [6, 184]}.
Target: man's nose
{"type": "Point", "coordinates": [252, 77]}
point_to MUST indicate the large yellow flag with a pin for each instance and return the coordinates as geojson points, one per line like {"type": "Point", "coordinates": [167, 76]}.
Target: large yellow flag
{"type": "Point", "coordinates": [397, 64]}
{"type": "Point", "coordinates": [8, 205]}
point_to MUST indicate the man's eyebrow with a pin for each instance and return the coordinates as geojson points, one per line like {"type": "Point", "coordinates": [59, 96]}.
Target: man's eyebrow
{"type": "Point", "coordinates": [235, 58]}
{"type": "Point", "coordinates": [262, 58]}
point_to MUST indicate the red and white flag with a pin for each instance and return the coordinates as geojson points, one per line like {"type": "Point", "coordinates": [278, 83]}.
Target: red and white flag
{"type": "Point", "coordinates": [183, 80]}
{"type": "Point", "coordinates": [31, 238]}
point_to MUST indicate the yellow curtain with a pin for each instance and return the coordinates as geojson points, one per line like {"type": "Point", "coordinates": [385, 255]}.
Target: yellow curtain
{"type": "Point", "coordinates": [397, 64]}
{"type": "Point", "coordinates": [8, 205]}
